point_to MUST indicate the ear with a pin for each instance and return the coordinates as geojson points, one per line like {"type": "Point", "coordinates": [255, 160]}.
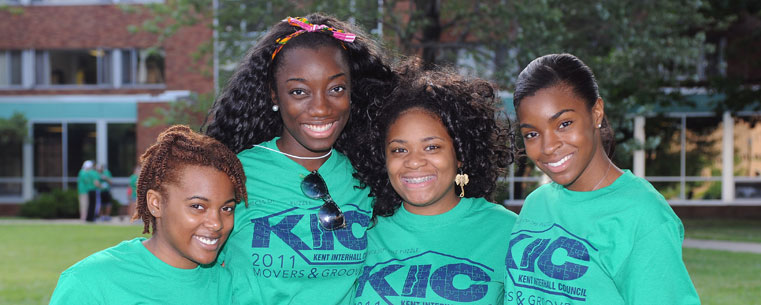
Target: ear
{"type": "Point", "coordinates": [273, 96]}
{"type": "Point", "coordinates": [154, 200]}
{"type": "Point", "coordinates": [598, 111]}
{"type": "Point", "coordinates": [459, 164]}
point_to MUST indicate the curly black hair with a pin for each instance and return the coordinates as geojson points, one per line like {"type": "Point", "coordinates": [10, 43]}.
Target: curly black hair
{"type": "Point", "coordinates": [466, 107]}
{"type": "Point", "coordinates": [242, 115]}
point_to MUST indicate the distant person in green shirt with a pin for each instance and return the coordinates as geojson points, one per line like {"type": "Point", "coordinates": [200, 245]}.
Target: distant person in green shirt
{"type": "Point", "coordinates": [433, 158]}
{"type": "Point", "coordinates": [187, 196]}
{"type": "Point", "coordinates": [597, 234]}
{"type": "Point", "coordinates": [104, 177]}
{"type": "Point", "coordinates": [83, 187]}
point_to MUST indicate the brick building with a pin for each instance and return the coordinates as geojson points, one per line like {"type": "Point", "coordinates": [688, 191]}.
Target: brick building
{"type": "Point", "coordinates": [85, 83]}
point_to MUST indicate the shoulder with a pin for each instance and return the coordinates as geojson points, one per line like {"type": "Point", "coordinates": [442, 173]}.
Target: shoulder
{"type": "Point", "coordinates": [106, 260]}
{"type": "Point", "coordinates": [542, 192]}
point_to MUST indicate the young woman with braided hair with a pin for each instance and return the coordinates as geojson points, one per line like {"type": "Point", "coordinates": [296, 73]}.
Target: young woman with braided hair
{"type": "Point", "coordinates": [432, 158]}
{"type": "Point", "coordinates": [293, 111]}
{"type": "Point", "coordinates": [187, 192]}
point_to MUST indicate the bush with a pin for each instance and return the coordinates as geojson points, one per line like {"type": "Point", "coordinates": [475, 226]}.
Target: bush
{"type": "Point", "coordinates": [55, 204]}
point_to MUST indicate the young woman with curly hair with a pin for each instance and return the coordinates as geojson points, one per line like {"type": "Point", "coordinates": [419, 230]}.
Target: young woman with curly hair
{"type": "Point", "coordinates": [295, 106]}
{"type": "Point", "coordinates": [433, 155]}
{"type": "Point", "coordinates": [597, 234]}
{"type": "Point", "coordinates": [187, 192]}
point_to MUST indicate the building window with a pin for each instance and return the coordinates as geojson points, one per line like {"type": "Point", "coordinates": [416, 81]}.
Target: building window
{"type": "Point", "coordinates": [10, 68]}
{"type": "Point", "coordinates": [48, 166]}
{"type": "Point", "coordinates": [73, 67]}
{"type": "Point", "coordinates": [747, 158]}
{"type": "Point", "coordinates": [122, 149]}
{"type": "Point", "coordinates": [11, 170]}
{"type": "Point", "coordinates": [142, 66]}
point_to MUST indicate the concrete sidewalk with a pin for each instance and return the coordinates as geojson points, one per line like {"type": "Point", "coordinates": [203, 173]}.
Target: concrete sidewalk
{"type": "Point", "coordinates": [115, 221]}
{"type": "Point", "coordinates": [722, 245]}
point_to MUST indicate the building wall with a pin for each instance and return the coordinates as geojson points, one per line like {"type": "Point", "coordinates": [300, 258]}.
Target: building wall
{"type": "Point", "coordinates": [104, 26]}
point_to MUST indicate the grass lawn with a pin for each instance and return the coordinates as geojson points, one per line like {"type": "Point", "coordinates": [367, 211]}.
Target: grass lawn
{"type": "Point", "coordinates": [745, 230]}
{"type": "Point", "coordinates": [725, 277]}
{"type": "Point", "coordinates": [33, 255]}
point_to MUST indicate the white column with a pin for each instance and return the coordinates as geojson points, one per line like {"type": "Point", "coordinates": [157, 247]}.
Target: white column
{"type": "Point", "coordinates": [27, 68]}
{"type": "Point", "coordinates": [101, 142]}
{"type": "Point", "coordinates": [116, 67]}
{"type": "Point", "coordinates": [727, 159]}
{"type": "Point", "coordinates": [639, 154]}
{"type": "Point", "coordinates": [27, 187]}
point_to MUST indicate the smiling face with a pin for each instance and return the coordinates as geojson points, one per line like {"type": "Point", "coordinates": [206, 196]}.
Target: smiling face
{"type": "Point", "coordinates": [561, 138]}
{"type": "Point", "coordinates": [421, 162]}
{"type": "Point", "coordinates": [312, 89]}
{"type": "Point", "coordinates": [193, 218]}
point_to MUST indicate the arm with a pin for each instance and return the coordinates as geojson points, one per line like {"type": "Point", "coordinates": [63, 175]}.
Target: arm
{"type": "Point", "coordinates": [654, 272]}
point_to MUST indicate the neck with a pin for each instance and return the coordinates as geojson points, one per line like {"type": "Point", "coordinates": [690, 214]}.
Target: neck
{"type": "Point", "coordinates": [163, 251]}
{"type": "Point", "coordinates": [441, 206]}
{"type": "Point", "coordinates": [309, 164]}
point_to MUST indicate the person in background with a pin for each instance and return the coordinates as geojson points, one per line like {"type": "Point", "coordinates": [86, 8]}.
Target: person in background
{"type": "Point", "coordinates": [104, 177]}
{"type": "Point", "coordinates": [187, 194]}
{"type": "Point", "coordinates": [597, 234]}
{"type": "Point", "coordinates": [83, 188]}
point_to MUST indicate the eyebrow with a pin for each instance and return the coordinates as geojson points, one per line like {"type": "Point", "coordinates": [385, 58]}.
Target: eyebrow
{"type": "Point", "coordinates": [426, 139]}
{"type": "Point", "coordinates": [206, 199]}
{"type": "Point", "coordinates": [553, 117]}
{"type": "Point", "coordinates": [297, 79]}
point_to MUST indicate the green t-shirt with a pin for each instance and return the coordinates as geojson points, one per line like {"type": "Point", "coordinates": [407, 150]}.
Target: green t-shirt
{"type": "Point", "coordinates": [81, 182]}
{"type": "Point", "coordinates": [621, 244]}
{"type": "Point", "coordinates": [130, 274]}
{"type": "Point", "coordinates": [133, 187]}
{"type": "Point", "coordinates": [104, 185]}
{"type": "Point", "coordinates": [86, 180]}
{"type": "Point", "coordinates": [278, 252]}
{"type": "Point", "coordinates": [453, 258]}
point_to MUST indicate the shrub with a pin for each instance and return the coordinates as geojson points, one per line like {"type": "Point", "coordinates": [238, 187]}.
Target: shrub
{"type": "Point", "coordinates": [55, 204]}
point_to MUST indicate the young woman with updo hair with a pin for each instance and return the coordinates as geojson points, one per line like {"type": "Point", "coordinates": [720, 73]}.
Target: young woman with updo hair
{"type": "Point", "coordinates": [186, 197]}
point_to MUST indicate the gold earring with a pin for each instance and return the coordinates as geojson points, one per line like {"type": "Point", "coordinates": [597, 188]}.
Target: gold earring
{"type": "Point", "coordinates": [461, 180]}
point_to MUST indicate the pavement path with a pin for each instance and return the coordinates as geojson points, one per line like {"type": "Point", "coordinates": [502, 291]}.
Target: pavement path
{"type": "Point", "coordinates": [723, 245]}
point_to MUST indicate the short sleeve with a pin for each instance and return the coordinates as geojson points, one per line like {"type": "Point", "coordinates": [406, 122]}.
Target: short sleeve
{"type": "Point", "coordinates": [654, 272]}
{"type": "Point", "coordinates": [71, 290]}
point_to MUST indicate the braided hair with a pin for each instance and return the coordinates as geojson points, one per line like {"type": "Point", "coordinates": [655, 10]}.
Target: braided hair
{"type": "Point", "coordinates": [242, 116]}
{"type": "Point", "coordinates": [466, 108]}
{"type": "Point", "coordinates": [176, 147]}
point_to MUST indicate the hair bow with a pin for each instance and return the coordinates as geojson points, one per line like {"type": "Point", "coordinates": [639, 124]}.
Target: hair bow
{"type": "Point", "coordinates": [305, 26]}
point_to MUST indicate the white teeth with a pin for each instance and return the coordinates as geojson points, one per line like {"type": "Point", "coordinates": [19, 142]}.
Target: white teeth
{"type": "Point", "coordinates": [208, 241]}
{"type": "Point", "coordinates": [559, 163]}
{"type": "Point", "coordinates": [319, 128]}
{"type": "Point", "coordinates": [418, 179]}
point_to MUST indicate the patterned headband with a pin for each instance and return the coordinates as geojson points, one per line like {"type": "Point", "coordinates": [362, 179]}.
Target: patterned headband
{"type": "Point", "coordinates": [308, 27]}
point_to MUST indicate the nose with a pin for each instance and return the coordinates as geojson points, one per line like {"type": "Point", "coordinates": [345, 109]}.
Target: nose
{"type": "Point", "coordinates": [550, 143]}
{"type": "Point", "coordinates": [213, 221]}
{"type": "Point", "coordinates": [414, 160]}
{"type": "Point", "coordinates": [320, 106]}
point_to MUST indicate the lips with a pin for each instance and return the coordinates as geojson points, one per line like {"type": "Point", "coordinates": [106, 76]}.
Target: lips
{"type": "Point", "coordinates": [418, 181]}
{"type": "Point", "coordinates": [559, 165]}
{"type": "Point", "coordinates": [322, 130]}
{"type": "Point", "coordinates": [210, 243]}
